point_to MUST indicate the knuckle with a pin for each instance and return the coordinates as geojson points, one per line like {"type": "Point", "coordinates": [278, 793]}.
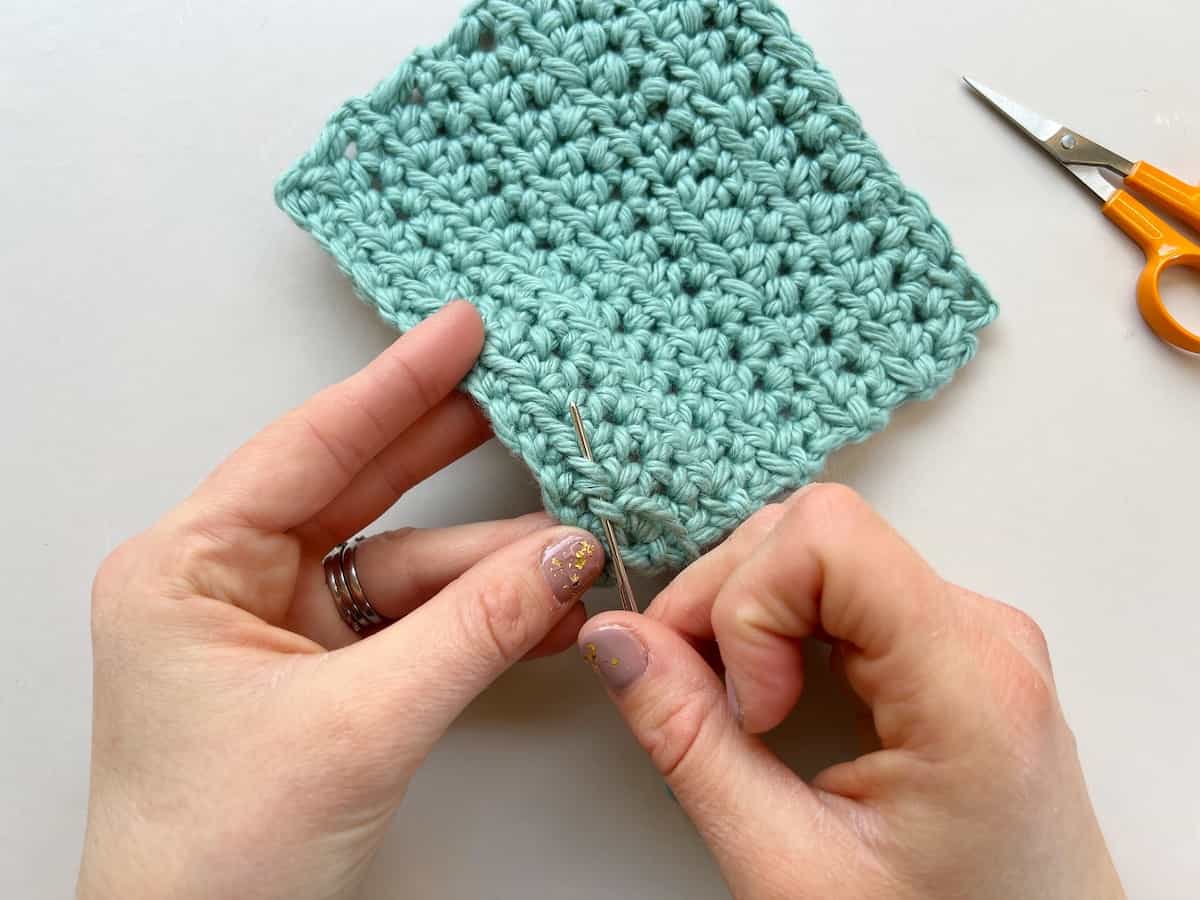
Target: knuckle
{"type": "Point", "coordinates": [415, 381]}
{"type": "Point", "coordinates": [195, 549]}
{"type": "Point", "coordinates": [1032, 697]}
{"type": "Point", "coordinates": [398, 473]}
{"type": "Point", "coordinates": [113, 571]}
{"type": "Point", "coordinates": [767, 517]}
{"type": "Point", "coordinates": [122, 576]}
{"type": "Point", "coordinates": [497, 621]}
{"type": "Point", "coordinates": [196, 559]}
{"type": "Point", "coordinates": [674, 731]}
{"type": "Point", "coordinates": [750, 623]}
{"type": "Point", "coordinates": [1029, 702]}
{"type": "Point", "coordinates": [347, 454]}
{"type": "Point", "coordinates": [763, 522]}
{"type": "Point", "coordinates": [1025, 629]}
{"type": "Point", "coordinates": [139, 569]}
{"type": "Point", "coordinates": [110, 582]}
{"type": "Point", "coordinates": [835, 504]}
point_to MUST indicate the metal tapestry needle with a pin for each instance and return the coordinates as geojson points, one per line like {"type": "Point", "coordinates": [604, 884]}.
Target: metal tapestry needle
{"type": "Point", "coordinates": [624, 588]}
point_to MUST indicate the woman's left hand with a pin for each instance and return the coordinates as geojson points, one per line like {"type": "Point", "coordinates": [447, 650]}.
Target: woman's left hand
{"type": "Point", "coordinates": [245, 743]}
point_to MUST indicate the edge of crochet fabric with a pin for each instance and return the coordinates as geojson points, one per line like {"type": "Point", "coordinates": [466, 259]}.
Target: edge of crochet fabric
{"type": "Point", "coordinates": [666, 213]}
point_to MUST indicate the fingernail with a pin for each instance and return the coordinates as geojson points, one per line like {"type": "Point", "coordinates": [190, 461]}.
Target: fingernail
{"type": "Point", "coordinates": [616, 655]}
{"type": "Point", "coordinates": [735, 706]}
{"type": "Point", "coordinates": [572, 565]}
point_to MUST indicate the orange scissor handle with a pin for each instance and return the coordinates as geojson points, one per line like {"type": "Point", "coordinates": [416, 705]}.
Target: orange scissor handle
{"type": "Point", "coordinates": [1181, 198]}
{"type": "Point", "coordinates": [1164, 246]}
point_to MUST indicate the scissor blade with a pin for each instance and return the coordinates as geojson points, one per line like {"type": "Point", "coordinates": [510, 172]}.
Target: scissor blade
{"type": "Point", "coordinates": [1093, 179]}
{"type": "Point", "coordinates": [1080, 156]}
{"type": "Point", "coordinates": [1036, 126]}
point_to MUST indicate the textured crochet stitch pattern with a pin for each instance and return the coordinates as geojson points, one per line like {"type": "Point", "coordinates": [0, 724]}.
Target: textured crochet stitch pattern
{"type": "Point", "coordinates": [665, 212]}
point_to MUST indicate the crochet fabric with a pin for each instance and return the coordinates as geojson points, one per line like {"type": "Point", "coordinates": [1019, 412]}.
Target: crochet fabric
{"type": "Point", "coordinates": [665, 212]}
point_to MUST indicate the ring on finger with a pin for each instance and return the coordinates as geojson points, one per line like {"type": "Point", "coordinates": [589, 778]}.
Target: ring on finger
{"type": "Point", "coordinates": [341, 577]}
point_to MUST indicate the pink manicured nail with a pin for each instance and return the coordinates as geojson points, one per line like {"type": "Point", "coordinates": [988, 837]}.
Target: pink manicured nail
{"type": "Point", "coordinates": [616, 654]}
{"type": "Point", "coordinates": [572, 565]}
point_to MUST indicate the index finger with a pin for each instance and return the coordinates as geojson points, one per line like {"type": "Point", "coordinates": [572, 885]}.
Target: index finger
{"type": "Point", "coordinates": [832, 566]}
{"type": "Point", "coordinates": [289, 471]}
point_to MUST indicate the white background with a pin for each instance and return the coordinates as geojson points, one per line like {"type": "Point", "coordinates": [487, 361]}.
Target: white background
{"type": "Point", "coordinates": [156, 309]}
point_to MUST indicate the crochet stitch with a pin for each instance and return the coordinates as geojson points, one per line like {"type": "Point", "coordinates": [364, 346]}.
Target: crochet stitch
{"type": "Point", "coordinates": [665, 212]}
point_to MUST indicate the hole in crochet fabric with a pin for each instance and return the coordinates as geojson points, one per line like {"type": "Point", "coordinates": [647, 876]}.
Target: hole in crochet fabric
{"type": "Point", "coordinates": [351, 151]}
{"type": "Point", "coordinates": [376, 182]}
{"type": "Point", "coordinates": [615, 194]}
{"type": "Point", "coordinates": [785, 412]}
{"type": "Point", "coordinates": [487, 42]}
{"type": "Point", "coordinates": [416, 98]}
{"type": "Point", "coordinates": [735, 354]}
{"type": "Point", "coordinates": [825, 334]}
{"type": "Point", "coordinates": [658, 110]}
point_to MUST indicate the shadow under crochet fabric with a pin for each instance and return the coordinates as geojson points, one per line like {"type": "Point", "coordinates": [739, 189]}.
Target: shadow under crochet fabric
{"type": "Point", "coordinates": [666, 213]}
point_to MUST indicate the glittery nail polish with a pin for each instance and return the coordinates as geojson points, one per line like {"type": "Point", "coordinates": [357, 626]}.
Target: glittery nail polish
{"type": "Point", "coordinates": [572, 565]}
{"type": "Point", "coordinates": [615, 654]}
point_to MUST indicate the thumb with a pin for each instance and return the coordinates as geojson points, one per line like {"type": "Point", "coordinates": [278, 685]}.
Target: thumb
{"type": "Point", "coordinates": [421, 672]}
{"type": "Point", "coordinates": [748, 806]}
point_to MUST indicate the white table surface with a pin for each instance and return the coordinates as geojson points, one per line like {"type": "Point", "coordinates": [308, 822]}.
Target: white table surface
{"type": "Point", "coordinates": [157, 309]}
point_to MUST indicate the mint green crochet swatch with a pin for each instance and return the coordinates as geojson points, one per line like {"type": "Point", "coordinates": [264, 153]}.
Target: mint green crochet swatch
{"type": "Point", "coordinates": [665, 212]}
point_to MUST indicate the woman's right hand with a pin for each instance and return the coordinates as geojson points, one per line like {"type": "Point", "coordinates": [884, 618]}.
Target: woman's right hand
{"type": "Point", "coordinates": [977, 790]}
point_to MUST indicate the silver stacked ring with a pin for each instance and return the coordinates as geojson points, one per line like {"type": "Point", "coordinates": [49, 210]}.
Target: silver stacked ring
{"type": "Point", "coordinates": [341, 576]}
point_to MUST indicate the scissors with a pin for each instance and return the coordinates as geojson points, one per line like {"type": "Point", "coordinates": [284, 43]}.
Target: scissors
{"type": "Point", "coordinates": [1164, 246]}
